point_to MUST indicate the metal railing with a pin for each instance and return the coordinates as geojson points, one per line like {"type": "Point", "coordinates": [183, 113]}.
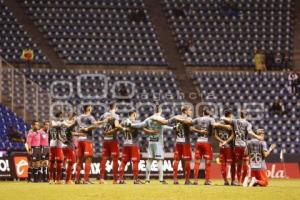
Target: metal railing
{"type": "Point", "coordinates": [22, 95]}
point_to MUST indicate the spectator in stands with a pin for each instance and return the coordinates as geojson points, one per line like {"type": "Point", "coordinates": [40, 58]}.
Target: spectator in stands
{"type": "Point", "coordinates": [259, 61]}
{"type": "Point", "coordinates": [286, 60]}
{"type": "Point", "coordinates": [277, 107]}
{"type": "Point", "coordinates": [188, 47]}
{"type": "Point", "coordinates": [230, 9]}
{"type": "Point", "coordinates": [278, 60]}
{"type": "Point", "coordinates": [293, 81]}
{"type": "Point", "coordinates": [187, 10]}
{"type": "Point", "coordinates": [269, 59]}
{"type": "Point", "coordinates": [123, 90]}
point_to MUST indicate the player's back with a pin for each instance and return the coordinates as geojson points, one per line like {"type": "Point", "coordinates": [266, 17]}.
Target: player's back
{"type": "Point", "coordinates": [255, 150]}
{"type": "Point", "coordinates": [204, 123]}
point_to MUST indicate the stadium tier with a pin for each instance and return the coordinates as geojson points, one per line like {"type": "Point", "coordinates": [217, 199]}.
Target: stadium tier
{"type": "Point", "coordinates": [98, 32]}
{"type": "Point", "coordinates": [10, 127]}
{"type": "Point", "coordinates": [225, 33]}
{"type": "Point", "coordinates": [13, 39]}
{"type": "Point", "coordinates": [257, 92]}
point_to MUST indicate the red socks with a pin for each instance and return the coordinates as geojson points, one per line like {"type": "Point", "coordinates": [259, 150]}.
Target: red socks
{"type": "Point", "coordinates": [78, 169]}
{"type": "Point", "coordinates": [69, 171]}
{"type": "Point", "coordinates": [232, 171]}
{"type": "Point", "coordinates": [187, 169]}
{"type": "Point", "coordinates": [135, 169]}
{"type": "Point", "coordinates": [175, 169]}
{"type": "Point", "coordinates": [122, 169]}
{"type": "Point", "coordinates": [196, 169]}
{"type": "Point", "coordinates": [224, 171]}
{"type": "Point", "coordinates": [239, 171]}
{"type": "Point", "coordinates": [115, 168]}
{"type": "Point", "coordinates": [51, 170]}
{"type": "Point", "coordinates": [245, 172]}
{"type": "Point", "coordinates": [87, 169]}
{"type": "Point", "coordinates": [207, 171]}
{"type": "Point", "coordinates": [103, 167]}
{"type": "Point", "coordinates": [58, 170]}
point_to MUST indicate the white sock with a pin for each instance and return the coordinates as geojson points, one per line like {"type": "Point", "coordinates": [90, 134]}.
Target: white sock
{"type": "Point", "coordinates": [148, 169]}
{"type": "Point", "coordinates": [161, 170]}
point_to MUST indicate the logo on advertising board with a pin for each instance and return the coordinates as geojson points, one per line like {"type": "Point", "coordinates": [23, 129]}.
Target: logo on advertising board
{"type": "Point", "coordinates": [4, 168]}
{"type": "Point", "coordinates": [21, 166]}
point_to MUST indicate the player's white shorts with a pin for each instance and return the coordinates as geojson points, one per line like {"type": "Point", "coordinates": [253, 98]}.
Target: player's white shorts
{"type": "Point", "coordinates": [155, 151]}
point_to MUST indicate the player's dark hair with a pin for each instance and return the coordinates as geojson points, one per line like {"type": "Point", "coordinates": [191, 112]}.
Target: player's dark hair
{"type": "Point", "coordinates": [34, 121]}
{"type": "Point", "coordinates": [260, 131]}
{"type": "Point", "coordinates": [45, 122]}
{"type": "Point", "coordinates": [243, 113]}
{"type": "Point", "coordinates": [73, 114]}
{"type": "Point", "coordinates": [157, 108]}
{"type": "Point", "coordinates": [85, 108]}
{"type": "Point", "coordinates": [132, 112]}
{"type": "Point", "coordinates": [58, 114]}
{"type": "Point", "coordinates": [227, 113]}
{"type": "Point", "coordinates": [206, 111]}
{"type": "Point", "coordinates": [184, 108]}
{"type": "Point", "coordinates": [112, 105]}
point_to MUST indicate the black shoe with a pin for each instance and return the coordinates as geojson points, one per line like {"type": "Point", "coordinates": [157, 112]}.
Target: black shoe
{"type": "Point", "coordinates": [195, 183]}
{"type": "Point", "coordinates": [226, 183]}
{"type": "Point", "coordinates": [87, 183]}
{"type": "Point", "coordinates": [163, 182]}
{"type": "Point", "coordinates": [77, 182]}
{"type": "Point", "coordinates": [121, 182]}
{"type": "Point", "coordinates": [208, 183]}
{"type": "Point", "coordinates": [176, 182]}
{"type": "Point", "coordinates": [187, 183]}
{"type": "Point", "coordinates": [138, 181]}
{"type": "Point", "coordinates": [147, 181]}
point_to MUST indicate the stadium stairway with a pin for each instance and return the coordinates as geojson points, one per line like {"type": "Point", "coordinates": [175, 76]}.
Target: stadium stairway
{"type": "Point", "coordinates": [296, 43]}
{"type": "Point", "coordinates": [34, 32]}
{"type": "Point", "coordinates": [170, 50]}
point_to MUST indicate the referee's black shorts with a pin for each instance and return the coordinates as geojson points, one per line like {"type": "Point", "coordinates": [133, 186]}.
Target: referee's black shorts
{"type": "Point", "coordinates": [36, 154]}
{"type": "Point", "coordinates": [45, 153]}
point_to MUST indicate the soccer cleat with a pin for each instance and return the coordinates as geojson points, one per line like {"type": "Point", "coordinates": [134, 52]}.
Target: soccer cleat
{"type": "Point", "coordinates": [101, 181]}
{"type": "Point", "coordinates": [58, 182]}
{"type": "Point", "coordinates": [176, 182]}
{"type": "Point", "coordinates": [51, 182]}
{"type": "Point", "coordinates": [121, 182]}
{"type": "Point", "coordinates": [208, 183]}
{"type": "Point", "coordinates": [115, 182]}
{"type": "Point", "coordinates": [188, 182]}
{"type": "Point", "coordinates": [87, 183]}
{"type": "Point", "coordinates": [138, 181]}
{"type": "Point", "coordinates": [195, 183]}
{"type": "Point", "coordinates": [226, 183]}
{"type": "Point", "coordinates": [246, 181]}
{"type": "Point", "coordinates": [147, 181]}
{"type": "Point", "coordinates": [69, 182]}
{"type": "Point", "coordinates": [234, 183]}
{"type": "Point", "coordinates": [77, 182]}
{"type": "Point", "coordinates": [252, 182]}
{"type": "Point", "coordinates": [163, 182]}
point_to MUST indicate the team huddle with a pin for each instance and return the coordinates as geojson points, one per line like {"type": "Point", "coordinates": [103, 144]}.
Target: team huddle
{"type": "Point", "coordinates": [70, 142]}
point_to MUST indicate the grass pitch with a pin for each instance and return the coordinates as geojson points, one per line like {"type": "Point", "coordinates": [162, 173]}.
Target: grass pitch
{"type": "Point", "coordinates": [277, 189]}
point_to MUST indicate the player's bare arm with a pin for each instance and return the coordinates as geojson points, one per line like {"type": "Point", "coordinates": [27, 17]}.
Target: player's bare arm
{"type": "Point", "coordinates": [161, 121]}
{"type": "Point", "coordinates": [193, 129]}
{"type": "Point", "coordinates": [222, 126]}
{"type": "Point", "coordinates": [217, 137]}
{"type": "Point", "coordinates": [230, 138]}
{"type": "Point", "coordinates": [188, 122]}
{"type": "Point", "coordinates": [267, 153]}
{"type": "Point", "coordinates": [150, 132]}
{"type": "Point", "coordinates": [259, 137]}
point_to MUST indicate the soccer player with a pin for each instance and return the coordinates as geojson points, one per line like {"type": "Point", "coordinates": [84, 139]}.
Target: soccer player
{"type": "Point", "coordinates": [56, 154]}
{"type": "Point", "coordinates": [110, 147]}
{"type": "Point", "coordinates": [183, 149]}
{"type": "Point", "coordinates": [203, 126]}
{"type": "Point", "coordinates": [241, 128]}
{"type": "Point", "coordinates": [156, 142]}
{"type": "Point", "coordinates": [131, 149]}
{"type": "Point", "coordinates": [44, 133]}
{"type": "Point", "coordinates": [87, 124]}
{"type": "Point", "coordinates": [225, 137]}
{"type": "Point", "coordinates": [257, 151]}
{"type": "Point", "coordinates": [33, 141]}
{"type": "Point", "coordinates": [69, 150]}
